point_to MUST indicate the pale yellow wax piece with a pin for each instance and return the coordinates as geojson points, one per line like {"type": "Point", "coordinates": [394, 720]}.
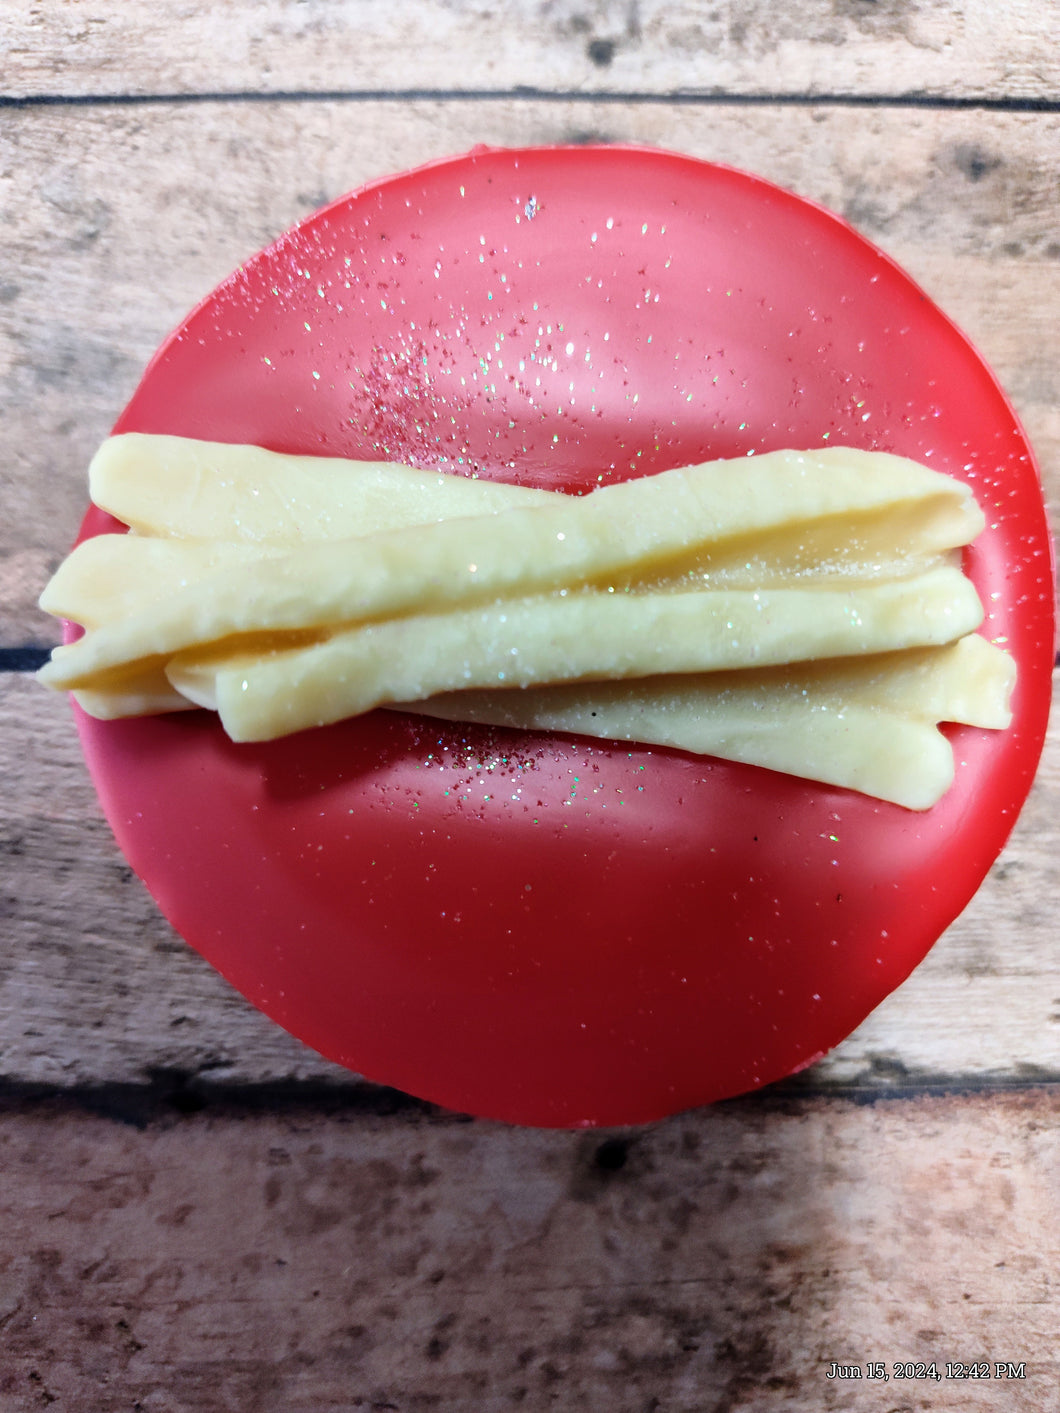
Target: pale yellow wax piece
{"type": "Point", "coordinates": [566, 637]}
{"type": "Point", "coordinates": [634, 526]}
{"type": "Point", "coordinates": [867, 724]}
{"type": "Point", "coordinates": [206, 491]}
{"type": "Point", "coordinates": [110, 577]}
{"type": "Point", "coordinates": [148, 694]}
{"type": "Point", "coordinates": [294, 591]}
{"type": "Point", "coordinates": [107, 578]}
{"type": "Point", "coordinates": [176, 487]}
{"type": "Point", "coordinates": [182, 488]}
{"type": "Point", "coordinates": [888, 542]}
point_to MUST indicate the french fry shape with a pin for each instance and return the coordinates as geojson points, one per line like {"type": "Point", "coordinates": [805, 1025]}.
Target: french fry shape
{"type": "Point", "coordinates": [799, 610]}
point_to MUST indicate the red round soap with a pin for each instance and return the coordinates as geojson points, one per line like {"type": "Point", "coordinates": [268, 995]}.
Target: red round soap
{"type": "Point", "coordinates": [543, 928]}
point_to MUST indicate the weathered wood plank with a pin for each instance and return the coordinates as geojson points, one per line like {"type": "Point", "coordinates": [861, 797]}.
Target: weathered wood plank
{"type": "Point", "coordinates": [724, 1260]}
{"type": "Point", "coordinates": [85, 946]}
{"type": "Point", "coordinates": [309, 1255]}
{"type": "Point", "coordinates": [95, 987]}
{"type": "Point", "coordinates": [119, 220]}
{"type": "Point", "coordinates": [962, 47]}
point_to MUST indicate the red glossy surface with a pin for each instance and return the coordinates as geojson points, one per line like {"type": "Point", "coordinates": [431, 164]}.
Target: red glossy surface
{"type": "Point", "coordinates": [540, 928]}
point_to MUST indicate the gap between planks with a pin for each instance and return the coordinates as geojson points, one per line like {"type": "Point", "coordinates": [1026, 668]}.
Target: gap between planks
{"type": "Point", "coordinates": [928, 102]}
{"type": "Point", "coordinates": [168, 1096]}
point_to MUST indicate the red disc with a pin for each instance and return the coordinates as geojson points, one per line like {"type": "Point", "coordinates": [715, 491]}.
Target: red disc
{"type": "Point", "coordinates": [542, 928]}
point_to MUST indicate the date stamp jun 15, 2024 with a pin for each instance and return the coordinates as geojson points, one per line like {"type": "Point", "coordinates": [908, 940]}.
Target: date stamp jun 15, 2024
{"type": "Point", "coordinates": [884, 1372]}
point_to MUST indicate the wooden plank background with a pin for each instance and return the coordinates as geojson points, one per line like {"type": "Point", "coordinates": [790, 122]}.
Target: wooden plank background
{"type": "Point", "coordinates": [278, 1262]}
{"type": "Point", "coordinates": [199, 1214]}
{"type": "Point", "coordinates": [994, 50]}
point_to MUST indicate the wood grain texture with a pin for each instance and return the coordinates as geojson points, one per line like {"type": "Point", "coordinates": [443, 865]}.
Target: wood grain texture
{"type": "Point", "coordinates": [721, 1261]}
{"type": "Point", "coordinates": [205, 1216]}
{"type": "Point", "coordinates": [95, 988]}
{"type": "Point", "coordinates": [123, 219]}
{"type": "Point", "coordinates": [120, 220]}
{"type": "Point", "coordinates": [880, 47]}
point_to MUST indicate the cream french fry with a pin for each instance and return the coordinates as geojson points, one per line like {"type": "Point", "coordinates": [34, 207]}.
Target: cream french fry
{"type": "Point", "coordinates": [637, 526]}
{"type": "Point", "coordinates": [969, 681]}
{"type": "Point", "coordinates": [580, 635]}
{"type": "Point", "coordinates": [867, 724]}
{"type": "Point", "coordinates": [800, 611]}
{"type": "Point", "coordinates": [111, 577]}
{"type": "Point", "coordinates": [910, 763]}
{"type": "Point", "coordinates": [887, 543]}
{"type": "Point", "coordinates": [182, 488]}
{"type": "Point", "coordinates": [148, 695]}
